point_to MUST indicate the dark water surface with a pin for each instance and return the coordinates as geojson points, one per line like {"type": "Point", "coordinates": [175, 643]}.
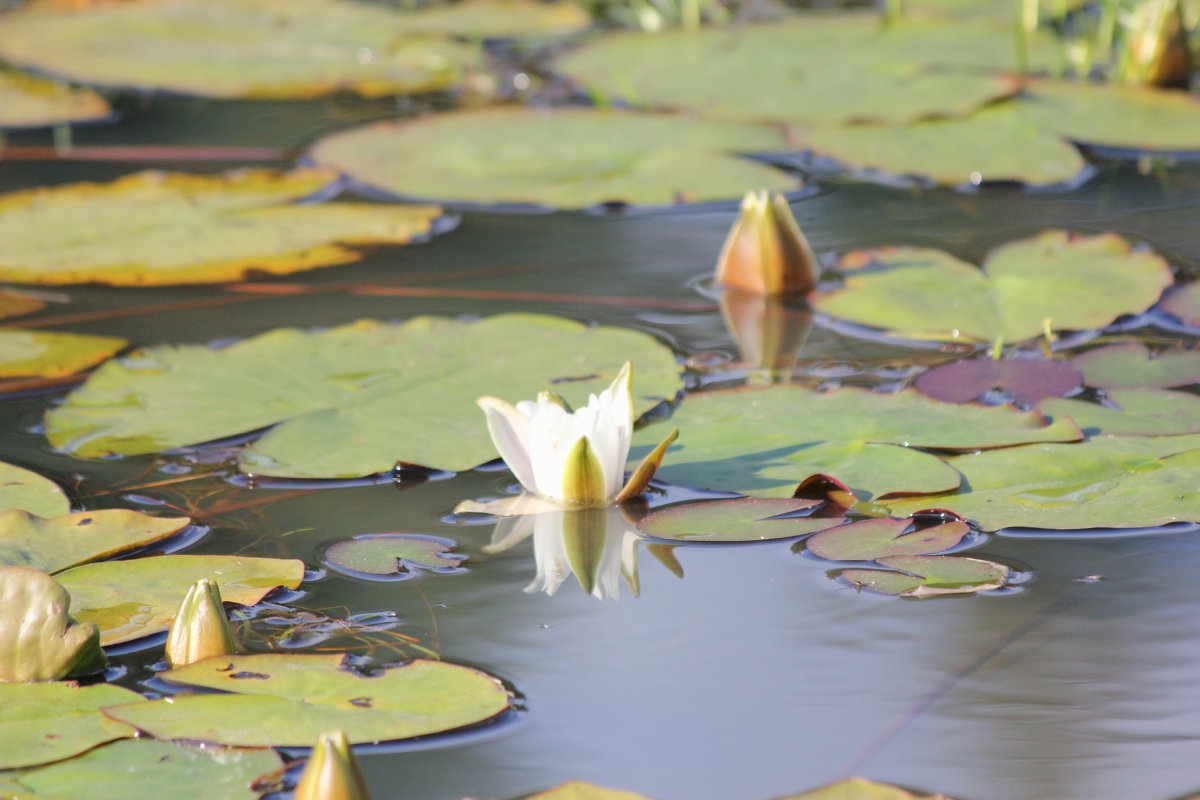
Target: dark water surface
{"type": "Point", "coordinates": [754, 675]}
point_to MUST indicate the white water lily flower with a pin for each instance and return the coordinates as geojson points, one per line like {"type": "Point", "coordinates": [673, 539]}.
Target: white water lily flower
{"type": "Point", "coordinates": [572, 458]}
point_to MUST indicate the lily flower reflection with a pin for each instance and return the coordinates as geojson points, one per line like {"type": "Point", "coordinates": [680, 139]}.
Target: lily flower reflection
{"type": "Point", "coordinates": [573, 459]}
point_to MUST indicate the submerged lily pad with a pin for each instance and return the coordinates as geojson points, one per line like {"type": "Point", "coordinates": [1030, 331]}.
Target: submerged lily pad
{"type": "Point", "coordinates": [154, 228]}
{"type": "Point", "coordinates": [39, 641]}
{"type": "Point", "coordinates": [146, 768]}
{"type": "Point", "coordinates": [131, 599]}
{"type": "Point", "coordinates": [49, 354]}
{"type": "Point", "coordinates": [57, 543]}
{"type": "Point", "coordinates": [288, 700]}
{"type": "Point", "coordinates": [566, 158]}
{"type": "Point", "coordinates": [1025, 380]}
{"type": "Point", "coordinates": [870, 539]}
{"type": "Point", "coordinates": [44, 722]}
{"type": "Point", "coordinates": [1105, 482]}
{"type": "Point", "coordinates": [370, 394]}
{"type": "Point", "coordinates": [742, 519]}
{"type": "Point", "coordinates": [929, 576]}
{"type": "Point", "coordinates": [394, 554]}
{"type": "Point", "coordinates": [762, 441]}
{"type": "Point", "coordinates": [1075, 282]}
{"type": "Point", "coordinates": [1133, 412]}
{"type": "Point", "coordinates": [1132, 364]}
{"type": "Point", "coordinates": [29, 102]}
{"type": "Point", "coordinates": [28, 491]}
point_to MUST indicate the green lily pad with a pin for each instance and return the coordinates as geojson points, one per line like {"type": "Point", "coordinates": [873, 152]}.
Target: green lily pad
{"type": "Point", "coordinates": [49, 354]}
{"type": "Point", "coordinates": [1105, 482]}
{"type": "Point", "coordinates": [998, 143]}
{"type": "Point", "coordinates": [870, 539]}
{"type": "Point", "coordinates": [1137, 412]}
{"type": "Point", "coordinates": [235, 48]}
{"type": "Point", "coordinates": [288, 700]}
{"type": "Point", "coordinates": [29, 102]}
{"type": "Point", "coordinates": [581, 790]}
{"type": "Point", "coordinates": [861, 788]}
{"type": "Point", "coordinates": [370, 394]}
{"type": "Point", "coordinates": [1075, 282]}
{"type": "Point", "coordinates": [394, 554]}
{"type": "Point", "coordinates": [131, 599]}
{"type": "Point", "coordinates": [55, 544]}
{"type": "Point", "coordinates": [1132, 117]}
{"type": "Point", "coordinates": [39, 641]}
{"type": "Point", "coordinates": [763, 441]}
{"type": "Point", "coordinates": [1184, 303]}
{"type": "Point", "coordinates": [154, 228]}
{"type": "Point", "coordinates": [929, 576]}
{"type": "Point", "coordinates": [1132, 364]}
{"type": "Point", "coordinates": [146, 768]}
{"type": "Point", "coordinates": [566, 158]}
{"type": "Point", "coordinates": [824, 69]}
{"type": "Point", "coordinates": [44, 722]}
{"type": "Point", "coordinates": [28, 491]}
{"type": "Point", "coordinates": [743, 519]}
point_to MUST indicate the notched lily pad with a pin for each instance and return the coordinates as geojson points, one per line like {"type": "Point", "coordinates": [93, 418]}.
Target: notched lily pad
{"type": "Point", "coordinates": [39, 641]}
{"type": "Point", "coordinates": [58, 543]}
{"type": "Point", "coordinates": [565, 158]}
{"type": "Point", "coordinates": [1132, 364]}
{"type": "Point", "coordinates": [370, 394]}
{"type": "Point", "coordinates": [146, 768]}
{"type": "Point", "coordinates": [394, 554]}
{"type": "Point", "coordinates": [156, 228]}
{"type": "Point", "coordinates": [28, 491]}
{"type": "Point", "coordinates": [44, 722]}
{"type": "Point", "coordinates": [29, 102]}
{"type": "Point", "coordinates": [1056, 279]}
{"type": "Point", "coordinates": [1131, 412]}
{"type": "Point", "coordinates": [742, 519]}
{"type": "Point", "coordinates": [1025, 380]}
{"type": "Point", "coordinates": [870, 539]}
{"type": "Point", "coordinates": [131, 599]}
{"type": "Point", "coordinates": [928, 576]}
{"type": "Point", "coordinates": [49, 354]}
{"type": "Point", "coordinates": [288, 700]}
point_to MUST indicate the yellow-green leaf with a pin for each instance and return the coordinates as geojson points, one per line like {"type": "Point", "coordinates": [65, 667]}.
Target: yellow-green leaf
{"type": "Point", "coordinates": [49, 354]}
{"type": "Point", "coordinates": [29, 102]}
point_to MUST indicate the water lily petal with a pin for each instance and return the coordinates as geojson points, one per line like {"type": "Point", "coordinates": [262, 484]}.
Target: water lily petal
{"type": "Point", "coordinates": [510, 433]}
{"type": "Point", "coordinates": [646, 469]}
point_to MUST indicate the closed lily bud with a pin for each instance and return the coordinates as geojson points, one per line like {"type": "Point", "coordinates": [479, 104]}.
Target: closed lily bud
{"type": "Point", "coordinates": [332, 772]}
{"type": "Point", "coordinates": [201, 629]}
{"type": "Point", "coordinates": [1155, 49]}
{"type": "Point", "coordinates": [765, 252]}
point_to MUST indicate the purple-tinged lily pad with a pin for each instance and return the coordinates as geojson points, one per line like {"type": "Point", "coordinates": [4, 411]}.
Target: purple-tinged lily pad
{"type": "Point", "coordinates": [1137, 412]}
{"type": "Point", "coordinates": [741, 519]}
{"type": "Point", "coordinates": [870, 539]}
{"type": "Point", "coordinates": [1025, 380]}
{"type": "Point", "coordinates": [393, 554]}
{"type": "Point", "coordinates": [1133, 364]}
{"type": "Point", "coordinates": [928, 576]}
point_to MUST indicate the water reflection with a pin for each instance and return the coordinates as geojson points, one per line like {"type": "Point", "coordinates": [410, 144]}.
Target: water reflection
{"type": "Point", "coordinates": [769, 331]}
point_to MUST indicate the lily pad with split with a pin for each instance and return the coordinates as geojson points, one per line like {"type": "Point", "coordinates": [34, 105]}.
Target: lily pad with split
{"type": "Point", "coordinates": [60, 542]}
{"type": "Point", "coordinates": [568, 158]}
{"type": "Point", "coordinates": [146, 768]}
{"type": "Point", "coordinates": [1025, 380]}
{"type": "Point", "coordinates": [393, 554]}
{"type": "Point", "coordinates": [742, 519]}
{"type": "Point", "coordinates": [288, 700]}
{"type": "Point", "coordinates": [49, 354]}
{"type": "Point", "coordinates": [870, 539]}
{"type": "Point", "coordinates": [44, 722]}
{"type": "Point", "coordinates": [29, 491]}
{"type": "Point", "coordinates": [30, 102]}
{"type": "Point", "coordinates": [131, 599]}
{"type": "Point", "coordinates": [156, 228]}
{"type": "Point", "coordinates": [1133, 364]}
{"type": "Point", "coordinates": [1056, 279]}
{"type": "Point", "coordinates": [370, 395]}
{"type": "Point", "coordinates": [928, 576]}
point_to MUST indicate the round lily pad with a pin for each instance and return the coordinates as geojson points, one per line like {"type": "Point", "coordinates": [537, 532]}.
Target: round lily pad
{"type": "Point", "coordinates": [28, 491]}
{"type": "Point", "coordinates": [43, 722]}
{"type": "Point", "coordinates": [146, 768]}
{"type": "Point", "coordinates": [929, 576]}
{"type": "Point", "coordinates": [1066, 281]}
{"type": "Point", "coordinates": [48, 354]}
{"type": "Point", "coordinates": [30, 102]}
{"type": "Point", "coordinates": [565, 158]}
{"type": "Point", "coordinates": [370, 394]}
{"type": "Point", "coordinates": [394, 554]}
{"type": "Point", "coordinates": [1132, 364]}
{"type": "Point", "coordinates": [66, 541]}
{"type": "Point", "coordinates": [154, 228]}
{"type": "Point", "coordinates": [742, 519]}
{"type": "Point", "coordinates": [870, 539]}
{"type": "Point", "coordinates": [1025, 380]}
{"type": "Point", "coordinates": [288, 700]}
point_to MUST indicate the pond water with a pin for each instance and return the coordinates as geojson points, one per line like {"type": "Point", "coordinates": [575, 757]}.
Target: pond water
{"type": "Point", "coordinates": [753, 675]}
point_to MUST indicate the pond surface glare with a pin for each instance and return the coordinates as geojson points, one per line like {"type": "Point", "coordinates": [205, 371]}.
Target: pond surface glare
{"type": "Point", "coordinates": [754, 675]}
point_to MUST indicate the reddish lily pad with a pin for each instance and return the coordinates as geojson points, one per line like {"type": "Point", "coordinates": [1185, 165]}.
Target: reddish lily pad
{"type": "Point", "coordinates": [870, 539]}
{"type": "Point", "coordinates": [742, 519]}
{"type": "Point", "coordinates": [1133, 364]}
{"type": "Point", "coordinates": [1025, 380]}
{"type": "Point", "coordinates": [1134, 412]}
{"type": "Point", "coordinates": [394, 554]}
{"type": "Point", "coordinates": [929, 576]}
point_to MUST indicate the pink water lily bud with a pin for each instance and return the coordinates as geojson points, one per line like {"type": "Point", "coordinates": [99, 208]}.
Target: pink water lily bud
{"type": "Point", "coordinates": [765, 252]}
